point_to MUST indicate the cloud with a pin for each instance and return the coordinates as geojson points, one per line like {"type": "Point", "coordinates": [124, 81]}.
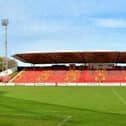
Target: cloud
{"type": "Point", "coordinates": [111, 23]}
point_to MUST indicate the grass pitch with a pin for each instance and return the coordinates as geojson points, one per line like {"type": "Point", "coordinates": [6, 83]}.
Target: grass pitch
{"type": "Point", "coordinates": [62, 106]}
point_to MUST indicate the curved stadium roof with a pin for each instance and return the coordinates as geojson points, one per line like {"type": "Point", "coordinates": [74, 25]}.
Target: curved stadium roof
{"type": "Point", "coordinates": [72, 57]}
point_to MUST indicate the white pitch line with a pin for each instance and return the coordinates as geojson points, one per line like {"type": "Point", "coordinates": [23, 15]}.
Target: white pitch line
{"type": "Point", "coordinates": [119, 96]}
{"type": "Point", "coordinates": [62, 123]}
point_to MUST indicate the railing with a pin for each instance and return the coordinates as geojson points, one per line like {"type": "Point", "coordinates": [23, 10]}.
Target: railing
{"type": "Point", "coordinates": [62, 84]}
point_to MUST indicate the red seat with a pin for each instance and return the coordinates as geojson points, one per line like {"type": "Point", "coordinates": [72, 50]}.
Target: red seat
{"type": "Point", "coordinates": [41, 75]}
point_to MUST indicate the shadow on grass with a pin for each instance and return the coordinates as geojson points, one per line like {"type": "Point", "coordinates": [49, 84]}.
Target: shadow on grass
{"type": "Point", "coordinates": [2, 93]}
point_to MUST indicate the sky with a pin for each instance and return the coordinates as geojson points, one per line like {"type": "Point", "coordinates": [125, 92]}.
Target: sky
{"type": "Point", "coordinates": [63, 25]}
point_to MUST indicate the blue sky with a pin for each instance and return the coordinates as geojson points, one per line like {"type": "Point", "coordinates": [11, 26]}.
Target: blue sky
{"type": "Point", "coordinates": [58, 25]}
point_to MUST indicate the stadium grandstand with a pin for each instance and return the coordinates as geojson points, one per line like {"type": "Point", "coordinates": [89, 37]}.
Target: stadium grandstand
{"type": "Point", "coordinates": [71, 68]}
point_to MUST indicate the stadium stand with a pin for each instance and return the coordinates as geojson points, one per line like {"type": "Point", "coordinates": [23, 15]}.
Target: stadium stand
{"type": "Point", "coordinates": [95, 67]}
{"type": "Point", "coordinates": [40, 75]}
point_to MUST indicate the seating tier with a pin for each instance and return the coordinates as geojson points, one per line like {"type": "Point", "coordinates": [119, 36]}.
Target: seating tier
{"type": "Point", "coordinates": [70, 76]}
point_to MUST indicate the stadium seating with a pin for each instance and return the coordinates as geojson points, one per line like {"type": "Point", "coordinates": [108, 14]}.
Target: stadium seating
{"type": "Point", "coordinates": [4, 78]}
{"type": "Point", "coordinates": [40, 75]}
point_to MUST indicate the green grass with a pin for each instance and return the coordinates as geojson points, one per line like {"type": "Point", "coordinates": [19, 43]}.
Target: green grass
{"type": "Point", "coordinates": [52, 106]}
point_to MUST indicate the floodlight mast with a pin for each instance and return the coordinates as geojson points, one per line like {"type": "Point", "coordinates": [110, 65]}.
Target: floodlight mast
{"type": "Point", "coordinates": [4, 23]}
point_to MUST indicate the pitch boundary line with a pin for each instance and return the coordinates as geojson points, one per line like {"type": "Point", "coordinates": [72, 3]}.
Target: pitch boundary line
{"type": "Point", "coordinates": [63, 122]}
{"type": "Point", "coordinates": [119, 96]}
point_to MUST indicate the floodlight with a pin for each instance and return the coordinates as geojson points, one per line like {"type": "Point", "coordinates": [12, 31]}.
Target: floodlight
{"type": "Point", "coordinates": [4, 22]}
